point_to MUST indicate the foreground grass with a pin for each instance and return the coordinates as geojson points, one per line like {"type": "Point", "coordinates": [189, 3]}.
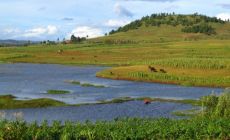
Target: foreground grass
{"type": "Point", "coordinates": [196, 128]}
{"type": "Point", "coordinates": [9, 102]}
{"type": "Point", "coordinates": [212, 123]}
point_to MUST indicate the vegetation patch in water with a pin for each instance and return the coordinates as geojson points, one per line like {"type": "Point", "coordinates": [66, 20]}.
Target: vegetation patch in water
{"type": "Point", "coordinates": [84, 84]}
{"type": "Point", "coordinates": [9, 102]}
{"type": "Point", "coordinates": [58, 92]}
{"type": "Point", "coordinates": [187, 113]}
{"type": "Point", "coordinates": [117, 100]}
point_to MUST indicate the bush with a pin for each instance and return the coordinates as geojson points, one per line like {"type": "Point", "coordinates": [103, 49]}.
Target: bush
{"type": "Point", "coordinates": [217, 106]}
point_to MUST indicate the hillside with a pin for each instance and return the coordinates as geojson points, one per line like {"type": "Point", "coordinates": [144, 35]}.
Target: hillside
{"type": "Point", "coordinates": [169, 27]}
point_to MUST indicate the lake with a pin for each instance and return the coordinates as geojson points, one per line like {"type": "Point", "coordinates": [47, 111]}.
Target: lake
{"type": "Point", "coordinates": [31, 81]}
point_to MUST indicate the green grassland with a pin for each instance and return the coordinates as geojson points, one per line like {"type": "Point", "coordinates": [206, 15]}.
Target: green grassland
{"type": "Point", "coordinates": [205, 60]}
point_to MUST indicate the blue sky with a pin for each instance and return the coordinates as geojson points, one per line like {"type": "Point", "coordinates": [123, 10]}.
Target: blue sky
{"type": "Point", "coordinates": [52, 19]}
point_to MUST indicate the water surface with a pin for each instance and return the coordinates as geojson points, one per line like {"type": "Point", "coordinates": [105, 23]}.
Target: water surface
{"type": "Point", "coordinates": [29, 81]}
{"type": "Point", "coordinates": [100, 112]}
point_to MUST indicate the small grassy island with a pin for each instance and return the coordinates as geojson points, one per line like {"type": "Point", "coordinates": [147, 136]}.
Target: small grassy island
{"type": "Point", "coordinates": [84, 84]}
{"type": "Point", "coordinates": [9, 102]}
{"type": "Point", "coordinates": [58, 92]}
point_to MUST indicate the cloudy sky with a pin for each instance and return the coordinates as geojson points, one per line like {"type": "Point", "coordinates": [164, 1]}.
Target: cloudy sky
{"type": "Point", "coordinates": [52, 19]}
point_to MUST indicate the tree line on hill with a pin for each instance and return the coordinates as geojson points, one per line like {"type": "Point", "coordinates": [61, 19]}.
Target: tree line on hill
{"type": "Point", "coordinates": [194, 23]}
{"type": "Point", "coordinates": [73, 40]}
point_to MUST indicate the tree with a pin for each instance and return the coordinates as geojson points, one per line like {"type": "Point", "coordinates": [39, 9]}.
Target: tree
{"type": "Point", "coordinates": [74, 39]}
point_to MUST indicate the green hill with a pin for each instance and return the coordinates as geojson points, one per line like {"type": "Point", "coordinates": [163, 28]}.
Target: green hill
{"type": "Point", "coordinates": [169, 27]}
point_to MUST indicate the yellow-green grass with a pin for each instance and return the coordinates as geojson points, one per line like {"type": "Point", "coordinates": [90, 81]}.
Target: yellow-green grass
{"type": "Point", "coordinates": [187, 77]}
{"type": "Point", "coordinates": [130, 54]}
{"type": "Point", "coordinates": [9, 102]}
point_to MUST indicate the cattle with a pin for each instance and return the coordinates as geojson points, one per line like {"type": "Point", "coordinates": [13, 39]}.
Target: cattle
{"type": "Point", "coordinates": [60, 51]}
{"type": "Point", "coordinates": [152, 69]}
{"type": "Point", "coordinates": [147, 101]}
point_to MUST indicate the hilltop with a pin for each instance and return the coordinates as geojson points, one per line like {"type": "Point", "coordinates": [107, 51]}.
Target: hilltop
{"type": "Point", "coordinates": [169, 27]}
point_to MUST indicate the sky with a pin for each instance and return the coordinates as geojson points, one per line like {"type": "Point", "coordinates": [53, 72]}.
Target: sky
{"type": "Point", "coordinates": [51, 19]}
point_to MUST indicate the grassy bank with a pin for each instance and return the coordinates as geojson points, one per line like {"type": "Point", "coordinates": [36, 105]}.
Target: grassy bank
{"type": "Point", "coordinates": [161, 74]}
{"type": "Point", "coordinates": [9, 102]}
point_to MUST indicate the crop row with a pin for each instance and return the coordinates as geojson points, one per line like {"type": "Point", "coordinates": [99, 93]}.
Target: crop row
{"type": "Point", "coordinates": [200, 63]}
{"type": "Point", "coordinates": [187, 80]}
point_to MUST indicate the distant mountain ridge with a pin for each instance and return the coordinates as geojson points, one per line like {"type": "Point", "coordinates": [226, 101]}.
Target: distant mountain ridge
{"type": "Point", "coordinates": [9, 42]}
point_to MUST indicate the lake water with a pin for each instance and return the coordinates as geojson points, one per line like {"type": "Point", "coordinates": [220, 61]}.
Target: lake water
{"type": "Point", "coordinates": [98, 112]}
{"type": "Point", "coordinates": [30, 81]}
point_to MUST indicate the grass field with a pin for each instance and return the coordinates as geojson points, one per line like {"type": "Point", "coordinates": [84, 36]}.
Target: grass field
{"type": "Point", "coordinates": [200, 63]}
{"type": "Point", "coordinates": [187, 58]}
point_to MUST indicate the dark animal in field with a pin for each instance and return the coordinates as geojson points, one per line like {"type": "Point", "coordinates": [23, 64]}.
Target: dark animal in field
{"type": "Point", "coordinates": [152, 69]}
{"type": "Point", "coordinates": [162, 70]}
{"type": "Point", "coordinates": [111, 73]}
{"type": "Point", "coordinates": [60, 51]}
{"type": "Point", "coordinates": [147, 101]}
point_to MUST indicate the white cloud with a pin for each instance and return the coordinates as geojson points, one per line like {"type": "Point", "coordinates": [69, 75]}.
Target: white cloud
{"type": "Point", "coordinates": [36, 32]}
{"type": "Point", "coordinates": [83, 31]}
{"type": "Point", "coordinates": [52, 30]}
{"type": "Point", "coordinates": [122, 11]}
{"type": "Point", "coordinates": [116, 23]}
{"type": "Point", "coordinates": [11, 30]}
{"type": "Point", "coordinates": [224, 16]}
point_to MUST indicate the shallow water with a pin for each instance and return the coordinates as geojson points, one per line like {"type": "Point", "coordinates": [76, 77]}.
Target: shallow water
{"type": "Point", "coordinates": [29, 81]}
{"type": "Point", "coordinates": [98, 112]}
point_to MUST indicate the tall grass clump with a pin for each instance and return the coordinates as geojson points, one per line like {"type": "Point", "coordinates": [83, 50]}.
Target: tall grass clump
{"type": "Point", "coordinates": [217, 106]}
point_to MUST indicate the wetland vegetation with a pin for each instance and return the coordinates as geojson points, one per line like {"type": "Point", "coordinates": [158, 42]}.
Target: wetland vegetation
{"type": "Point", "coordinates": [210, 123]}
{"type": "Point", "coordinates": [84, 84]}
{"type": "Point", "coordinates": [190, 50]}
{"type": "Point", "coordinates": [58, 92]}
